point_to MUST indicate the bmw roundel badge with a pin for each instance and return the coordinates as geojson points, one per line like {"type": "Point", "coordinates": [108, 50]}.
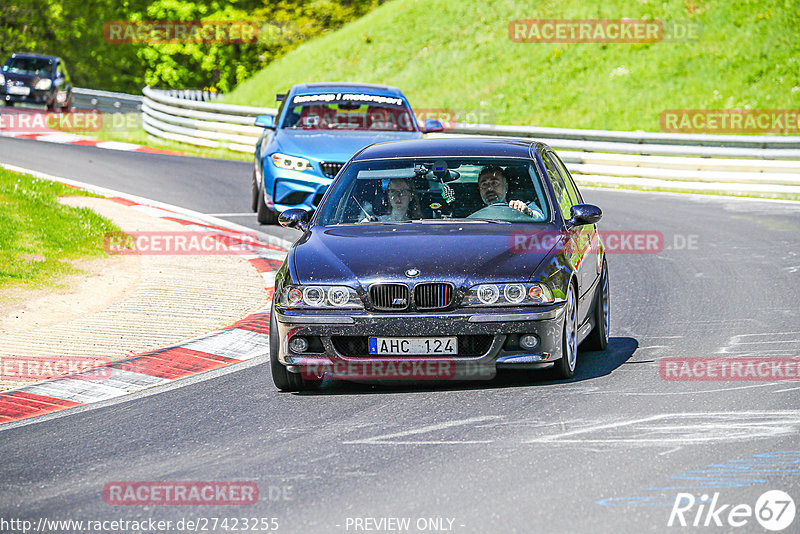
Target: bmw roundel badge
{"type": "Point", "coordinates": [412, 273]}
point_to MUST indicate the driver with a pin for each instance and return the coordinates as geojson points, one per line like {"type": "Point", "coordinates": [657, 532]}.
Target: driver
{"type": "Point", "coordinates": [493, 186]}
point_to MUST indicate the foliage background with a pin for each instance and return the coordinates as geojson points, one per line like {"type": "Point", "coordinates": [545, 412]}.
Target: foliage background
{"type": "Point", "coordinates": [73, 29]}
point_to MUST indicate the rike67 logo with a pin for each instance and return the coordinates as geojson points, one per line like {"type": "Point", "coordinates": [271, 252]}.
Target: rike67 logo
{"type": "Point", "coordinates": [774, 510]}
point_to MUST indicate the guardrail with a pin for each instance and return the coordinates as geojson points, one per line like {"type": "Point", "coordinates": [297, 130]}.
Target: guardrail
{"type": "Point", "coordinates": [647, 143]}
{"type": "Point", "coordinates": [106, 101]}
{"type": "Point", "coordinates": [208, 124]}
{"type": "Point", "coordinates": [690, 161]}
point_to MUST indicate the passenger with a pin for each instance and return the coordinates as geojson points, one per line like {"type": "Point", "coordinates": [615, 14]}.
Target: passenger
{"type": "Point", "coordinates": [379, 119]}
{"type": "Point", "coordinates": [402, 200]}
{"type": "Point", "coordinates": [493, 186]}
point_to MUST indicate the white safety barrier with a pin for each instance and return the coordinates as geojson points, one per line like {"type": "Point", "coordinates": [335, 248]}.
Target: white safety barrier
{"type": "Point", "coordinates": [208, 124]}
{"type": "Point", "coordinates": [726, 163]}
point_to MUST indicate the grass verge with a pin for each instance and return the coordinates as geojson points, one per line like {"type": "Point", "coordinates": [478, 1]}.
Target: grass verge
{"type": "Point", "coordinates": [458, 56]}
{"type": "Point", "coordinates": [39, 237]}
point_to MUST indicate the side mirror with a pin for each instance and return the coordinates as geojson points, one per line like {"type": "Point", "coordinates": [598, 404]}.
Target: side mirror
{"type": "Point", "coordinates": [295, 218]}
{"type": "Point", "coordinates": [581, 214]}
{"type": "Point", "coordinates": [432, 125]}
{"type": "Point", "coordinates": [265, 121]}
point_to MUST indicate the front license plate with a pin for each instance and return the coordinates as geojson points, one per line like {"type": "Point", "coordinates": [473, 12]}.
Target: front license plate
{"type": "Point", "coordinates": [14, 90]}
{"type": "Point", "coordinates": [398, 346]}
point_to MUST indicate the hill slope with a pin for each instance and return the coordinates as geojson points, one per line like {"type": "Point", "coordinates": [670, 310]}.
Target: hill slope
{"type": "Point", "coordinates": [457, 55]}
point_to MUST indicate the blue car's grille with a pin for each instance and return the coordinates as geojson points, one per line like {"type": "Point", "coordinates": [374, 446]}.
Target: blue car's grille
{"type": "Point", "coordinates": [433, 296]}
{"type": "Point", "coordinates": [330, 168]}
{"type": "Point", "coordinates": [389, 296]}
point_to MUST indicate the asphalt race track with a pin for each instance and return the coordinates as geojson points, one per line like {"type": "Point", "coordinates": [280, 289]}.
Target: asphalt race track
{"type": "Point", "coordinates": [606, 452]}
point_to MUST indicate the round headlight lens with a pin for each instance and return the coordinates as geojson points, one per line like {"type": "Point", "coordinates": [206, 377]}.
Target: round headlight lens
{"type": "Point", "coordinates": [488, 293]}
{"type": "Point", "coordinates": [338, 296]}
{"type": "Point", "coordinates": [294, 296]}
{"type": "Point", "coordinates": [514, 293]}
{"type": "Point", "coordinates": [535, 293]}
{"type": "Point", "coordinates": [313, 296]}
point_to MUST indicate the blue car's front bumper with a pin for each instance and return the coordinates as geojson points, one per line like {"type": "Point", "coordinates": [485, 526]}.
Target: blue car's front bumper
{"type": "Point", "coordinates": [286, 189]}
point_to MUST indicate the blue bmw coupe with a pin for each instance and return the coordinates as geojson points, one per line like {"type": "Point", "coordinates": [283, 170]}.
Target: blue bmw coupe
{"type": "Point", "coordinates": [318, 127]}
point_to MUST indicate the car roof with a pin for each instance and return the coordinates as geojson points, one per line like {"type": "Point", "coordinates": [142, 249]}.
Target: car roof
{"type": "Point", "coordinates": [367, 88]}
{"type": "Point", "coordinates": [452, 147]}
{"type": "Point", "coordinates": [38, 56]}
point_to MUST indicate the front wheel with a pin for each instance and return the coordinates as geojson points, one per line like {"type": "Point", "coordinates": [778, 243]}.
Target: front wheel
{"type": "Point", "coordinates": [254, 193]}
{"type": "Point", "coordinates": [598, 337]}
{"type": "Point", "coordinates": [565, 366]}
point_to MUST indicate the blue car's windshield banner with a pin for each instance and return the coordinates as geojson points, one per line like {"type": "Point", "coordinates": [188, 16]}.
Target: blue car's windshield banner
{"type": "Point", "coordinates": [347, 97]}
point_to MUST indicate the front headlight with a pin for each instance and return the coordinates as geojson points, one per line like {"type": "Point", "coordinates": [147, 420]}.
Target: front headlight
{"type": "Point", "coordinates": [319, 297]}
{"type": "Point", "coordinates": [2, 80]}
{"type": "Point", "coordinates": [292, 163]}
{"type": "Point", "coordinates": [44, 84]}
{"type": "Point", "coordinates": [509, 294]}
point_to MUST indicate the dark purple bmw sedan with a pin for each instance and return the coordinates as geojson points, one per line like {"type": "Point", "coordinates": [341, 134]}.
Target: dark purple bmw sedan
{"type": "Point", "coordinates": [441, 259]}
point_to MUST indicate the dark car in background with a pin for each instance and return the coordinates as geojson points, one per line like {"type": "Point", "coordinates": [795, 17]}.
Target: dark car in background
{"type": "Point", "coordinates": [440, 259]}
{"type": "Point", "coordinates": [318, 127]}
{"type": "Point", "coordinates": [36, 79]}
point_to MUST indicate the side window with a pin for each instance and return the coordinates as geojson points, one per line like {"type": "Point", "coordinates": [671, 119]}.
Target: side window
{"type": "Point", "coordinates": [562, 196]}
{"type": "Point", "coordinates": [574, 195]}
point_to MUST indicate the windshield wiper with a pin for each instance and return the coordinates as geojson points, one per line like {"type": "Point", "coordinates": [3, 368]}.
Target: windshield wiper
{"type": "Point", "coordinates": [458, 221]}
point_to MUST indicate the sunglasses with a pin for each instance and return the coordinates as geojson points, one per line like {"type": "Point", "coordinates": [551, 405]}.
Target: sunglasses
{"type": "Point", "coordinates": [398, 192]}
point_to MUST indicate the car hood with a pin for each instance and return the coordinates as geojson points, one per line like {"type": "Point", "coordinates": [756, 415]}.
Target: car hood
{"type": "Point", "coordinates": [336, 146]}
{"type": "Point", "coordinates": [463, 254]}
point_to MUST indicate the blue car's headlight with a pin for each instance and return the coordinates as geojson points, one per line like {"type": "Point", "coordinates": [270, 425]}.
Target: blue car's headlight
{"type": "Point", "coordinates": [44, 84]}
{"type": "Point", "coordinates": [319, 297]}
{"type": "Point", "coordinates": [509, 294]}
{"type": "Point", "coordinates": [292, 163]}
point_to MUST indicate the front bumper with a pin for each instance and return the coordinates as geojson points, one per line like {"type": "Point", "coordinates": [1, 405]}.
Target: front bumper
{"type": "Point", "coordinates": [287, 189]}
{"type": "Point", "coordinates": [34, 97]}
{"type": "Point", "coordinates": [488, 339]}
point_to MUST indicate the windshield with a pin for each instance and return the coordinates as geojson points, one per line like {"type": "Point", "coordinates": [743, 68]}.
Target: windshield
{"type": "Point", "coordinates": [419, 190]}
{"type": "Point", "coordinates": [29, 65]}
{"type": "Point", "coordinates": [342, 111]}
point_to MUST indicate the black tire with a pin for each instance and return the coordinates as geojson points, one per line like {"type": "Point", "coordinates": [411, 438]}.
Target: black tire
{"type": "Point", "coordinates": [52, 105]}
{"type": "Point", "coordinates": [281, 377]}
{"type": "Point", "coordinates": [9, 104]}
{"type": "Point", "coordinates": [565, 366]}
{"type": "Point", "coordinates": [598, 337]}
{"type": "Point", "coordinates": [264, 214]}
{"type": "Point", "coordinates": [254, 193]}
